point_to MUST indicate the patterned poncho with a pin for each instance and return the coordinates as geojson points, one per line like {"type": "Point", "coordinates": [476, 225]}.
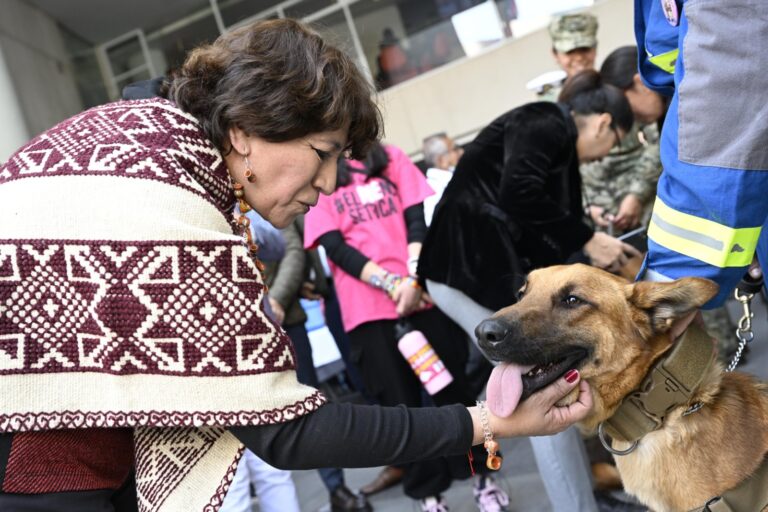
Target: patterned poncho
{"type": "Point", "coordinates": [127, 300]}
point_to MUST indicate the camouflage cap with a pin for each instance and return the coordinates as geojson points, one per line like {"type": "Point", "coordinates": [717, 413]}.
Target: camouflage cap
{"type": "Point", "coordinates": [573, 31]}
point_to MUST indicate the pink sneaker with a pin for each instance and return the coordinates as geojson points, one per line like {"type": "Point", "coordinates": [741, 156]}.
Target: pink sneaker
{"type": "Point", "coordinates": [489, 497]}
{"type": "Point", "coordinates": [433, 504]}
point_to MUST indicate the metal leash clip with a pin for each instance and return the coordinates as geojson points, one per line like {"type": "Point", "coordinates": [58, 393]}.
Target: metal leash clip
{"type": "Point", "coordinates": [744, 329]}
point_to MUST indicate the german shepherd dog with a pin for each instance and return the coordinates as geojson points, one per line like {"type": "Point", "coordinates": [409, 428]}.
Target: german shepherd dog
{"type": "Point", "coordinates": [613, 332]}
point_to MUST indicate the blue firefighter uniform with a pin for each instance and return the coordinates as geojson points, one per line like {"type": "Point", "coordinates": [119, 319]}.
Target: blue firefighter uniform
{"type": "Point", "coordinates": [712, 198]}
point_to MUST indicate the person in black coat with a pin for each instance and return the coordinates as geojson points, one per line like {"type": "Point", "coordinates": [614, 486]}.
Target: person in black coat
{"type": "Point", "coordinates": [514, 204]}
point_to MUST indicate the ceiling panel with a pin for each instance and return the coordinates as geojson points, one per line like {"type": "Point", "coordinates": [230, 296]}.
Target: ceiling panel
{"type": "Point", "coordinates": [98, 21]}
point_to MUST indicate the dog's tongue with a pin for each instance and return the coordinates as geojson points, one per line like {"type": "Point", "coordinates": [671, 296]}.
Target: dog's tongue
{"type": "Point", "coordinates": [504, 389]}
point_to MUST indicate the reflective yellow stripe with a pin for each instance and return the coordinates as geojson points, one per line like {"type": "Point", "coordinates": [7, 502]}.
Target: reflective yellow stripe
{"type": "Point", "coordinates": [665, 61]}
{"type": "Point", "coordinates": [702, 239]}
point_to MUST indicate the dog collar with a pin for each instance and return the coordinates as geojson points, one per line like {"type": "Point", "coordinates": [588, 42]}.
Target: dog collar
{"type": "Point", "coordinates": [670, 384]}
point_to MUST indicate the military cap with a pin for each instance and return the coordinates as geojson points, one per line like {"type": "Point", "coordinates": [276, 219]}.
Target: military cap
{"type": "Point", "coordinates": [572, 31]}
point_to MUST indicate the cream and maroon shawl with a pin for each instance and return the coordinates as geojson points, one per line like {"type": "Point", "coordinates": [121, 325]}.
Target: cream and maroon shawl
{"type": "Point", "coordinates": [127, 300]}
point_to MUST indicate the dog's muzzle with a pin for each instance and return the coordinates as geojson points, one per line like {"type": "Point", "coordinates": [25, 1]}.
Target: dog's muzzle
{"type": "Point", "coordinates": [491, 334]}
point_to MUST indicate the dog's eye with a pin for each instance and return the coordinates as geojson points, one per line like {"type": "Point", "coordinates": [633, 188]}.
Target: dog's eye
{"type": "Point", "coordinates": [572, 300]}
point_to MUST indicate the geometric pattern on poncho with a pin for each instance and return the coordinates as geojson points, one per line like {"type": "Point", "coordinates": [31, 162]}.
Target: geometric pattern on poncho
{"type": "Point", "coordinates": [166, 456]}
{"type": "Point", "coordinates": [182, 309]}
{"type": "Point", "coordinates": [117, 139]}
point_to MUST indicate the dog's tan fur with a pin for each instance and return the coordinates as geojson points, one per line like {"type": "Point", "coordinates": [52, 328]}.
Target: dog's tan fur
{"type": "Point", "coordinates": [690, 459]}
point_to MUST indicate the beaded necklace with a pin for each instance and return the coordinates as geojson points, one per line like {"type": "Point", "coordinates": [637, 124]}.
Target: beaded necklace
{"type": "Point", "coordinates": [243, 225]}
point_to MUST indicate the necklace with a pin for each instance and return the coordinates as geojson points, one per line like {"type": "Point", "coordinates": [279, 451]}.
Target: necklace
{"type": "Point", "coordinates": [243, 225]}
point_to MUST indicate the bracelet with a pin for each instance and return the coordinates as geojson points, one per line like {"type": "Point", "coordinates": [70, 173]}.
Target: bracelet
{"type": "Point", "coordinates": [391, 282]}
{"type": "Point", "coordinates": [493, 462]}
{"type": "Point", "coordinates": [388, 282]}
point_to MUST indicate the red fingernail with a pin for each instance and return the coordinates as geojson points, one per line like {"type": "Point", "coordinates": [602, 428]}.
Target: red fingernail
{"type": "Point", "coordinates": [571, 376]}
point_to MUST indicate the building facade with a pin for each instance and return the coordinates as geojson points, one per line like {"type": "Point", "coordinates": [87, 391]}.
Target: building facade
{"type": "Point", "coordinates": [441, 65]}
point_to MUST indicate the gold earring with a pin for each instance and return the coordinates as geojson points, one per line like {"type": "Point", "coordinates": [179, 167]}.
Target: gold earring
{"type": "Point", "coordinates": [248, 171]}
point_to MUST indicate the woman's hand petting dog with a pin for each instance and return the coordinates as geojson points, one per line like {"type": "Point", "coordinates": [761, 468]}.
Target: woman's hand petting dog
{"type": "Point", "coordinates": [539, 415]}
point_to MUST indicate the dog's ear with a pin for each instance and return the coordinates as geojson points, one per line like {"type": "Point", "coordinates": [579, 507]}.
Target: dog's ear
{"type": "Point", "coordinates": [666, 302]}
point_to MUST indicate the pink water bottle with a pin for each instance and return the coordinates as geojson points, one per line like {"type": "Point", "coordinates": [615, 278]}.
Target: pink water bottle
{"type": "Point", "coordinates": [424, 361]}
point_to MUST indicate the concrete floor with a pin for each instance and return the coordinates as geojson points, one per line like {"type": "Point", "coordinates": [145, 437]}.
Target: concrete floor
{"type": "Point", "coordinates": [519, 476]}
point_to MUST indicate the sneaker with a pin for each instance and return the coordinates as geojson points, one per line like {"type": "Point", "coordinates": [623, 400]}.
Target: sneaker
{"type": "Point", "coordinates": [433, 504]}
{"type": "Point", "coordinates": [489, 497]}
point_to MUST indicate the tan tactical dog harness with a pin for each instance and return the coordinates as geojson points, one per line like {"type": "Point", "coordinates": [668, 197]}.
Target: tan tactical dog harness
{"type": "Point", "coordinates": [670, 384]}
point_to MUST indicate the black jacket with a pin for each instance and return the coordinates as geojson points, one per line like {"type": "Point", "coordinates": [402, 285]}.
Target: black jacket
{"type": "Point", "coordinates": [514, 204]}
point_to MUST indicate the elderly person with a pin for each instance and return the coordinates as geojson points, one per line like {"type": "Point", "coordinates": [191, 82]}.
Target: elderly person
{"type": "Point", "coordinates": [441, 154]}
{"type": "Point", "coordinates": [131, 318]}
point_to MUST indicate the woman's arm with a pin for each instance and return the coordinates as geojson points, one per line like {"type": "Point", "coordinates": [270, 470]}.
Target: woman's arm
{"type": "Point", "coordinates": [355, 263]}
{"type": "Point", "coordinates": [350, 435]}
{"type": "Point", "coordinates": [343, 255]}
{"type": "Point", "coordinates": [417, 230]}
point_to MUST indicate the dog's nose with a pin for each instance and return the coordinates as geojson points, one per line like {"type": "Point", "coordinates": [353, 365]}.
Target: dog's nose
{"type": "Point", "coordinates": [491, 332]}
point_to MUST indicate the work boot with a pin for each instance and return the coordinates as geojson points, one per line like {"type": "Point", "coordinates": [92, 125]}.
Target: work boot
{"type": "Point", "coordinates": [344, 500]}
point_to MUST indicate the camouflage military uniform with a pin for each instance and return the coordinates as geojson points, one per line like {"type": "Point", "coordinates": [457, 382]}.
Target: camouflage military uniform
{"type": "Point", "coordinates": [633, 167]}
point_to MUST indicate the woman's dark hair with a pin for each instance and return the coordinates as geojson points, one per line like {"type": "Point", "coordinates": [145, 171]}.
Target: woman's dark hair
{"type": "Point", "coordinates": [585, 93]}
{"type": "Point", "coordinates": [375, 162]}
{"type": "Point", "coordinates": [278, 80]}
{"type": "Point", "coordinates": [620, 67]}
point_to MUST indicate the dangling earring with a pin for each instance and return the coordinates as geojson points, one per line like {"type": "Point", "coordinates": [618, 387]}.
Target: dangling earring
{"type": "Point", "coordinates": [248, 171]}
{"type": "Point", "coordinates": [244, 225]}
{"type": "Point", "coordinates": [240, 196]}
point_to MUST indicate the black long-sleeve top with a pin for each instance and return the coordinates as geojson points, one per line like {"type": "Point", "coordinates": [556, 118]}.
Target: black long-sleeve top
{"type": "Point", "coordinates": [353, 436]}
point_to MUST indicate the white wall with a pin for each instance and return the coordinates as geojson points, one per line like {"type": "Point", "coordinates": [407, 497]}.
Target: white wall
{"type": "Point", "coordinates": [39, 69]}
{"type": "Point", "coordinates": [13, 128]}
{"type": "Point", "coordinates": [462, 97]}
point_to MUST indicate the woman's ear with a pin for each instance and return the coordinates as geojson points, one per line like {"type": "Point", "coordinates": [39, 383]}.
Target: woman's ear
{"type": "Point", "coordinates": [637, 81]}
{"type": "Point", "coordinates": [238, 140]}
{"type": "Point", "coordinates": [604, 122]}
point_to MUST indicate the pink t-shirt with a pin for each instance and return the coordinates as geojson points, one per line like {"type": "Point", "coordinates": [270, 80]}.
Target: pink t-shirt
{"type": "Point", "coordinates": [369, 216]}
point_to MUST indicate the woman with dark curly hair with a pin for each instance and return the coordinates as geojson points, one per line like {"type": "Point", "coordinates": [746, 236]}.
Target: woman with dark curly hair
{"type": "Point", "coordinates": [132, 330]}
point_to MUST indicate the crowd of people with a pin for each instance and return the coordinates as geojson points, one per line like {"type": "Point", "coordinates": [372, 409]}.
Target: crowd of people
{"type": "Point", "coordinates": [163, 314]}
